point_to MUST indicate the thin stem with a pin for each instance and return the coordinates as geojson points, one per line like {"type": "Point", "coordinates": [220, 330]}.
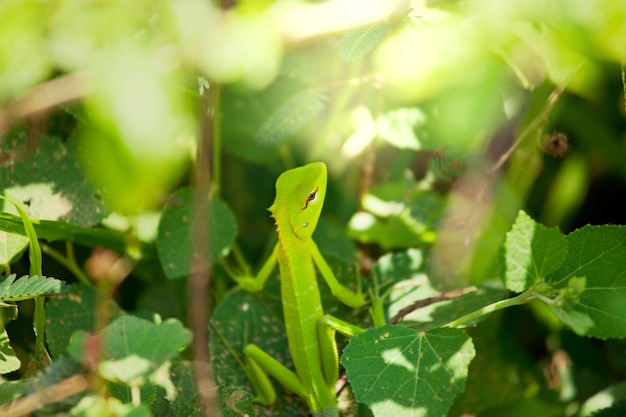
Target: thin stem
{"type": "Point", "coordinates": [68, 261]}
{"type": "Point", "coordinates": [135, 394]}
{"type": "Point", "coordinates": [377, 309]}
{"type": "Point", "coordinates": [499, 305]}
{"type": "Point", "coordinates": [217, 139]}
{"type": "Point", "coordinates": [241, 260]}
{"type": "Point", "coordinates": [624, 82]}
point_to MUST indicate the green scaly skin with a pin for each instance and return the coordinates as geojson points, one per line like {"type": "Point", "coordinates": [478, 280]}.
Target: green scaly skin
{"type": "Point", "coordinates": [300, 194]}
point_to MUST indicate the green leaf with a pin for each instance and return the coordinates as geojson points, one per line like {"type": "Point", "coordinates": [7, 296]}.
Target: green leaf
{"type": "Point", "coordinates": [608, 396]}
{"type": "Point", "coordinates": [101, 406]}
{"type": "Point", "coordinates": [397, 219]}
{"type": "Point", "coordinates": [8, 360]}
{"type": "Point", "coordinates": [332, 240]}
{"type": "Point", "coordinates": [29, 287]}
{"type": "Point", "coordinates": [616, 410]}
{"type": "Point", "coordinates": [531, 252]}
{"type": "Point", "coordinates": [597, 253]}
{"type": "Point", "coordinates": [133, 348]}
{"type": "Point", "coordinates": [397, 127]}
{"type": "Point", "coordinates": [394, 267]}
{"type": "Point", "coordinates": [235, 402]}
{"type": "Point", "coordinates": [358, 42]}
{"type": "Point", "coordinates": [566, 299]}
{"type": "Point", "coordinates": [51, 375]}
{"type": "Point", "coordinates": [186, 400]}
{"type": "Point", "coordinates": [242, 318]}
{"type": "Point", "coordinates": [49, 178]}
{"type": "Point", "coordinates": [175, 244]}
{"type": "Point", "coordinates": [57, 230]}
{"type": "Point", "coordinates": [12, 247]}
{"type": "Point", "coordinates": [397, 371]}
{"type": "Point", "coordinates": [457, 304]}
{"type": "Point", "coordinates": [79, 309]}
{"type": "Point", "coordinates": [292, 115]}
{"type": "Point", "coordinates": [12, 390]}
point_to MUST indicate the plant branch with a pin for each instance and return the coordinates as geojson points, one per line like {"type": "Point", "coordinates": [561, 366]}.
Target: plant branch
{"type": "Point", "coordinates": [444, 296]}
{"type": "Point", "coordinates": [68, 262]}
{"type": "Point", "coordinates": [499, 305]}
{"type": "Point", "coordinates": [44, 97]}
{"type": "Point", "coordinates": [48, 395]}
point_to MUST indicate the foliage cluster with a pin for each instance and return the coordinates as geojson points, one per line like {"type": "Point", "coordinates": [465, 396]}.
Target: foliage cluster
{"type": "Point", "coordinates": [475, 152]}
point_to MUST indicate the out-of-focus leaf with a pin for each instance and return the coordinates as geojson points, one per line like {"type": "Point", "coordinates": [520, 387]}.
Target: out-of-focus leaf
{"type": "Point", "coordinates": [397, 219]}
{"type": "Point", "coordinates": [101, 406]}
{"type": "Point", "coordinates": [132, 348]}
{"type": "Point", "coordinates": [174, 241]}
{"type": "Point", "coordinates": [80, 309]}
{"type": "Point", "coordinates": [292, 115]}
{"type": "Point", "coordinates": [358, 42]}
{"type": "Point", "coordinates": [331, 239]}
{"type": "Point", "coordinates": [49, 180]}
{"type": "Point", "coordinates": [398, 127]}
{"type": "Point", "coordinates": [22, 47]}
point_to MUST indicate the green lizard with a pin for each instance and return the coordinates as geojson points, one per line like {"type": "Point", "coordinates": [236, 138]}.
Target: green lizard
{"type": "Point", "coordinates": [299, 199]}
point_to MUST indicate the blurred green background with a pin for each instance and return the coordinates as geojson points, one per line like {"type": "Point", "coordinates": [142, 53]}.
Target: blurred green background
{"type": "Point", "coordinates": [438, 120]}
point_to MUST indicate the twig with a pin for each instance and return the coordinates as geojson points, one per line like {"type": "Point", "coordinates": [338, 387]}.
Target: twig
{"type": "Point", "coordinates": [200, 277]}
{"type": "Point", "coordinates": [552, 99]}
{"type": "Point", "coordinates": [536, 122]}
{"type": "Point", "coordinates": [44, 97]}
{"type": "Point", "coordinates": [448, 295]}
{"type": "Point", "coordinates": [48, 395]}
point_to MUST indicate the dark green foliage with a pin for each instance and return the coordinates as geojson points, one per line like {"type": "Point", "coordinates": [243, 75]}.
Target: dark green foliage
{"type": "Point", "coordinates": [175, 239]}
{"type": "Point", "coordinates": [616, 410]}
{"type": "Point", "coordinates": [292, 115]}
{"type": "Point", "coordinates": [498, 253]}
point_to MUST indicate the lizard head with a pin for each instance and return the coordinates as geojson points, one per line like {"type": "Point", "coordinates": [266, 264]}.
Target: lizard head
{"type": "Point", "coordinates": [299, 199]}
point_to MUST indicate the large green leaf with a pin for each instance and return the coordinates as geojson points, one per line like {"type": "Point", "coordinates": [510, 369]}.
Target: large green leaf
{"type": "Point", "coordinates": [48, 177]}
{"type": "Point", "coordinates": [532, 251]}
{"type": "Point", "coordinates": [175, 243]}
{"type": "Point", "coordinates": [397, 371]}
{"type": "Point", "coordinates": [597, 253]}
{"type": "Point", "coordinates": [132, 348]}
{"type": "Point", "coordinates": [185, 399]}
{"type": "Point", "coordinates": [243, 318]}
{"type": "Point", "coordinates": [80, 309]}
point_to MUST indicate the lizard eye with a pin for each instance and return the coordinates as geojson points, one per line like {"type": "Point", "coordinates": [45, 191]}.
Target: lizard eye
{"type": "Point", "coordinates": [311, 198]}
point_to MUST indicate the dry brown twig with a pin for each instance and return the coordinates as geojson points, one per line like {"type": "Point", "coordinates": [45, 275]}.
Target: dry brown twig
{"type": "Point", "coordinates": [49, 395]}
